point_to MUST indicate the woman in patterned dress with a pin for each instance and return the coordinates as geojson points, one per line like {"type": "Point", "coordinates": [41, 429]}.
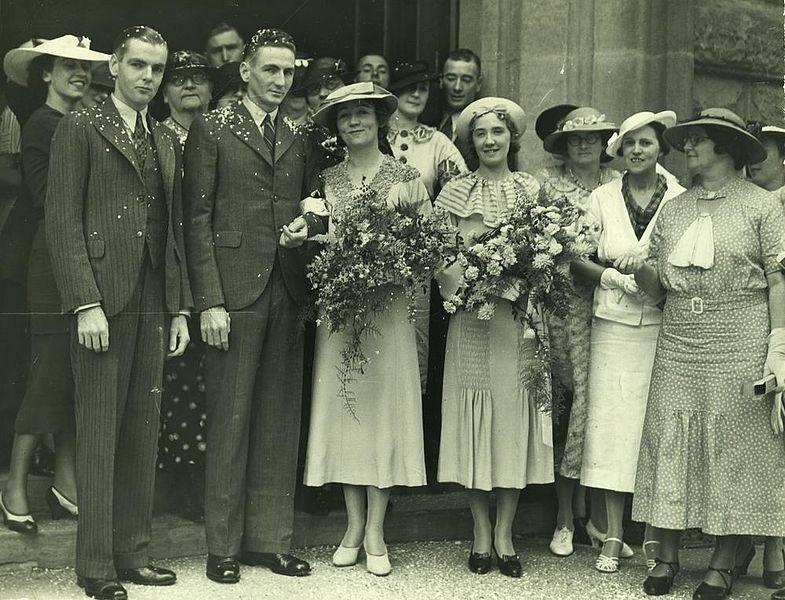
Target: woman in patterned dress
{"type": "Point", "coordinates": [626, 321]}
{"type": "Point", "coordinates": [709, 458]}
{"type": "Point", "coordinates": [381, 445]}
{"type": "Point", "coordinates": [577, 136]}
{"type": "Point", "coordinates": [494, 438]}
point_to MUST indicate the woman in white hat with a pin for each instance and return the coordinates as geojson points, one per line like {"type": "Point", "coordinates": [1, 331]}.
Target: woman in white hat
{"type": "Point", "coordinates": [383, 446]}
{"type": "Point", "coordinates": [712, 455]}
{"type": "Point", "coordinates": [626, 320]}
{"type": "Point", "coordinates": [494, 438]}
{"type": "Point", "coordinates": [63, 66]}
{"type": "Point", "coordinates": [577, 135]}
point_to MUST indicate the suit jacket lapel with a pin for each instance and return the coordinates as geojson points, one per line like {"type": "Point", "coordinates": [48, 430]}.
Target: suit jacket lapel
{"type": "Point", "coordinates": [284, 136]}
{"type": "Point", "coordinates": [242, 125]}
{"type": "Point", "coordinates": [111, 127]}
{"type": "Point", "coordinates": [166, 159]}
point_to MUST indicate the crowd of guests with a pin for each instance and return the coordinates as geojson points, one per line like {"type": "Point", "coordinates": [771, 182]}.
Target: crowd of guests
{"type": "Point", "coordinates": [165, 276]}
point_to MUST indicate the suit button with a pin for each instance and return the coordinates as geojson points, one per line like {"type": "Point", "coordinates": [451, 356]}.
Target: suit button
{"type": "Point", "coordinates": [139, 234]}
{"type": "Point", "coordinates": [141, 198]}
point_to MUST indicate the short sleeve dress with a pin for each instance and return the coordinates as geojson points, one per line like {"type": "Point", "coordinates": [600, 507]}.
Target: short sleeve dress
{"type": "Point", "coordinates": [708, 457]}
{"type": "Point", "coordinates": [569, 336]}
{"type": "Point", "coordinates": [493, 434]}
{"type": "Point", "coordinates": [383, 446]}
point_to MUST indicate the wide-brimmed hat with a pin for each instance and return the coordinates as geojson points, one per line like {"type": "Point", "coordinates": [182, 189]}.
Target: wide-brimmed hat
{"type": "Point", "coordinates": [102, 77]}
{"type": "Point", "coordinates": [225, 77]}
{"type": "Point", "coordinates": [772, 131]}
{"type": "Point", "coordinates": [323, 68]}
{"type": "Point", "coordinates": [548, 120]}
{"type": "Point", "coordinates": [404, 73]}
{"type": "Point", "coordinates": [667, 118]}
{"type": "Point", "coordinates": [583, 119]}
{"type": "Point", "coordinates": [16, 63]}
{"type": "Point", "coordinates": [364, 90]}
{"type": "Point", "coordinates": [719, 117]}
{"type": "Point", "coordinates": [501, 106]}
{"type": "Point", "coordinates": [186, 60]}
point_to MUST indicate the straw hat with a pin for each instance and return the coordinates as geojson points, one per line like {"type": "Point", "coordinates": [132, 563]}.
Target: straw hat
{"type": "Point", "coordinates": [484, 106]}
{"type": "Point", "coordinates": [728, 120]}
{"type": "Point", "coordinates": [365, 90]}
{"type": "Point", "coordinates": [667, 118]}
{"type": "Point", "coordinates": [17, 62]}
{"type": "Point", "coordinates": [583, 119]}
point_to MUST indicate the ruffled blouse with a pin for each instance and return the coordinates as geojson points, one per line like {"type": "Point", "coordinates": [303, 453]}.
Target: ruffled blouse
{"type": "Point", "coordinates": [471, 194]}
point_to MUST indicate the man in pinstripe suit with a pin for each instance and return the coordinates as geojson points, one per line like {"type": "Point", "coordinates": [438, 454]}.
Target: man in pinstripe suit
{"type": "Point", "coordinates": [113, 223]}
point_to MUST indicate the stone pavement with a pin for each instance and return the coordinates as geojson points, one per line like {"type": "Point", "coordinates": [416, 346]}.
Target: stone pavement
{"type": "Point", "coordinates": [421, 571]}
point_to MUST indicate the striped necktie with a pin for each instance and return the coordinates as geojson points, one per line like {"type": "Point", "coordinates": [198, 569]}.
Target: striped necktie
{"type": "Point", "coordinates": [268, 132]}
{"type": "Point", "coordinates": [140, 140]}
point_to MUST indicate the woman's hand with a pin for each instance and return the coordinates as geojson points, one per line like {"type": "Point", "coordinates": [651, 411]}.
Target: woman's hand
{"type": "Point", "coordinates": [629, 264]}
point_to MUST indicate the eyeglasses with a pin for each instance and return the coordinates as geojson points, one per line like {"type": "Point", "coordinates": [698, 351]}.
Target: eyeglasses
{"type": "Point", "coordinates": [586, 138]}
{"type": "Point", "coordinates": [694, 140]}
{"type": "Point", "coordinates": [197, 78]}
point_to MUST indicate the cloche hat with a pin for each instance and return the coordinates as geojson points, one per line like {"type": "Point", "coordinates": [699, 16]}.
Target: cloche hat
{"type": "Point", "coordinates": [17, 61]}
{"type": "Point", "coordinates": [504, 108]}
{"type": "Point", "coordinates": [365, 90]}
{"type": "Point", "coordinates": [666, 118]}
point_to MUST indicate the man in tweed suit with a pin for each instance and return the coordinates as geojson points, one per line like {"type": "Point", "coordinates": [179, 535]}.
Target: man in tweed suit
{"type": "Point", "coordinates": [246, 169]}
{"type": "Point", "coordinates": [113, 223]}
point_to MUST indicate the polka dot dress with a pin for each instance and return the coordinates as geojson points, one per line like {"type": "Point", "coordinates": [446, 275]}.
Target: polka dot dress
{"type": "Point", "coordinates": [708, 457]}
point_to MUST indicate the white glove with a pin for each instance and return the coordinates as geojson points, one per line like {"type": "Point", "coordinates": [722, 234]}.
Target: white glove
{"type": "Point", "coordinates": [315, 205]}
{"type": "Point", "coordinates": [613, 279]}
{"type": "Point", "coordinates": [775, 363]}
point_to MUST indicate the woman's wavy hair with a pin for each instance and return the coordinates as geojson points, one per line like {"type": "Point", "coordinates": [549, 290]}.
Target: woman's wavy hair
{"type": "Point", "coordinates": [382, 119]}
{"type": "Point", "coordinates": [727, 142]}
{"type": "Point", "coordinates": [473, 160]}
{"type": "Point", "coordinates": [36, 69]}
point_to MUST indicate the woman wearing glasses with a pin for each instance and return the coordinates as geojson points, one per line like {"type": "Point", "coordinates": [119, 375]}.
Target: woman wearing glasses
{"type": "Point", "coordinates": [711, 457]}
{"type": "Point", "coordinates": [187, 90]}
{"type": "Point", "coordinates": [577, 136]}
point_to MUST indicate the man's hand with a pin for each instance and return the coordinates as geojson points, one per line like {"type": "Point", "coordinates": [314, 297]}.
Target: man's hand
{"type": "Point", "coordinates": [215, 326]}
{"type": "Point", "coordinates": [178, 336]}
{"type": "Point", "coordinates": [93, 329]}
{"type": "Point", "coordinates": [294, 234]}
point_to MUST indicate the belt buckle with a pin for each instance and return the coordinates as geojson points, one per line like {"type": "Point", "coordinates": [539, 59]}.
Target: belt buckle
{"type": "Point", "coordinates": [696, 305]}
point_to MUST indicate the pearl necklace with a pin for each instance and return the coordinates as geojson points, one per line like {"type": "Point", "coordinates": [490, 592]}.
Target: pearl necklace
{"type": "Point", "coordinates": [579, 183]}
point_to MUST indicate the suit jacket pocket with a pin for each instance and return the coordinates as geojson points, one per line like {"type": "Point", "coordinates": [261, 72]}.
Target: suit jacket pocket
{"type": "Point", "coordinates": [95, 248]}
{"type": "Point", "coordinates": [228, 239]}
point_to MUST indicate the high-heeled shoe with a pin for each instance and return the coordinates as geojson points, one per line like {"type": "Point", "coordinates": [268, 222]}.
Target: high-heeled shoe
{"type": "Point", "coordinates": [659, 585]}
{"type": "Point", "coordinates": [774, 579]}
{"type": "Point", "coordinates": [509, 564]}
{"type": "Point", "coordinates": [605, 563]}
{"type": "Point", "coordinates": [479, 563]}
{"type": "Point", "coordinates": [19, 523]}
{"type": "Point", "coordinates": [345, 556]}
{"type": "Point", "coordinates": [706, 591]}
{"type": "Point", "coordinates": [597, 539]}
{"type": "Point", "coordinates": [60, 506]}
{"type": "Point", "coordinates": [377, 564]}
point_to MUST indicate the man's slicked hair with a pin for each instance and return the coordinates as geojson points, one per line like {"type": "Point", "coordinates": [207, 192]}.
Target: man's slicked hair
{"type": "Point", "coordinates": [221, 27]}
{"type": "Point", "coordinates": [465, 55]}
{"type": "Point", "coordinates": [137, 32]}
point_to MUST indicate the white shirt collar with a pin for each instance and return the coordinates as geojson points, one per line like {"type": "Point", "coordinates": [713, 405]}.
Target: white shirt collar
{"type": "Point", "coordinates": [257, 113]}
{"type": "Point", "coordinates": [128, 114]}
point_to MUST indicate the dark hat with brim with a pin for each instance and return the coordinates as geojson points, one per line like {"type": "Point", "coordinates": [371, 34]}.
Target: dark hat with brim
{"type": "Point", "coordinates": [547, 121]}
{"type": "Point", "coordinates": [225, 78]}
{"type": "Point", "coordinates": [583, 119]}
{"type": "Point", "coordinates": [325, 68]}
{"type": "Point", "coordinates": [181, 61]}
{"type": "Point", "coordinates": [404, 74]}
{"type": "Point", "coordinates": [102, 77]}
{"type": "Point", "coordinates": [298, 82]}
{"type": "Point", "coordinates": [754, 152]}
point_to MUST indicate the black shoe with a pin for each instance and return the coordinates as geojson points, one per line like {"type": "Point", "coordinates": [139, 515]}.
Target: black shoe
{"type": "Point", "coordinates": [102, 589]}
{"type": "Point", "coordinates": [479, 563]}
{"type": "Point", "coordinates": [19, 523]}
{"type": "Point", "coordinates": [60, 506]}
{"type": "Point", "coordinates": [662, 584]}
{"type": "Point", "coordinates": [149, 575]}
{"type": "Point", "coordinates": [707, 591]}
{"type": "Point", "coordinates": [223, 569]}
{"type": "Point", "coordinates": [778, 595]}
{"type": "Point", "coordinates": [283, 564]}
{"type": "Point", "coordinates": [509, 564]}
{"type": "Point", "coordinates": [774, 579]}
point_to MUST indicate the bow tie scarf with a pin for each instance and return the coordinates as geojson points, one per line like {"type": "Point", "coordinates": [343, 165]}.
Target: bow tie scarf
{"type": "Point", "coordinates": [695, 248]}
{"type": "Point", "coordinates": [140, 140]}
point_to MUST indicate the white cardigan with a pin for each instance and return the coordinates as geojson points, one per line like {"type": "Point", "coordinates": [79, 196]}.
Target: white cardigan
{"type": "Point", "coordinates": [617, 237]}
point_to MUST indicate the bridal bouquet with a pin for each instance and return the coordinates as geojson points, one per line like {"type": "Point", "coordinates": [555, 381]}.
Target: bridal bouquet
{"type": "Point", "coordinates": [377, 250]}
{"type": "Point", "coordinates": [526, 260]}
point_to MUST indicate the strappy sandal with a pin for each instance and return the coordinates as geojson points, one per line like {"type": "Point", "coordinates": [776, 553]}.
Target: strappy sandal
{"type": "Point", "coordinates": [659, 585]}
{"type": "Point", "coordinates": [608, 564]}
{"type": "Point", "coordinates": [650, 562]}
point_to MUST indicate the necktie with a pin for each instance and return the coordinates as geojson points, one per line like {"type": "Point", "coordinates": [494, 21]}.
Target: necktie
{"type": "Point", "coordinates": [446, 127]}
{"type": "Point", "coordinates": [268, 132]}
{"type": "Point", "coordinates": [140, 140]}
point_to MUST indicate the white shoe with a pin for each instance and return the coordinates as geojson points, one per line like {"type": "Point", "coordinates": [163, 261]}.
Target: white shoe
{"type": "Point", "coordinates": [561, 544]}
{"type": "Point", "coordinates": [345, 557]}
{"type": "Point", "coordinates": [597, 538]}
{"type": "Point", "coordinates": [378, 565]}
